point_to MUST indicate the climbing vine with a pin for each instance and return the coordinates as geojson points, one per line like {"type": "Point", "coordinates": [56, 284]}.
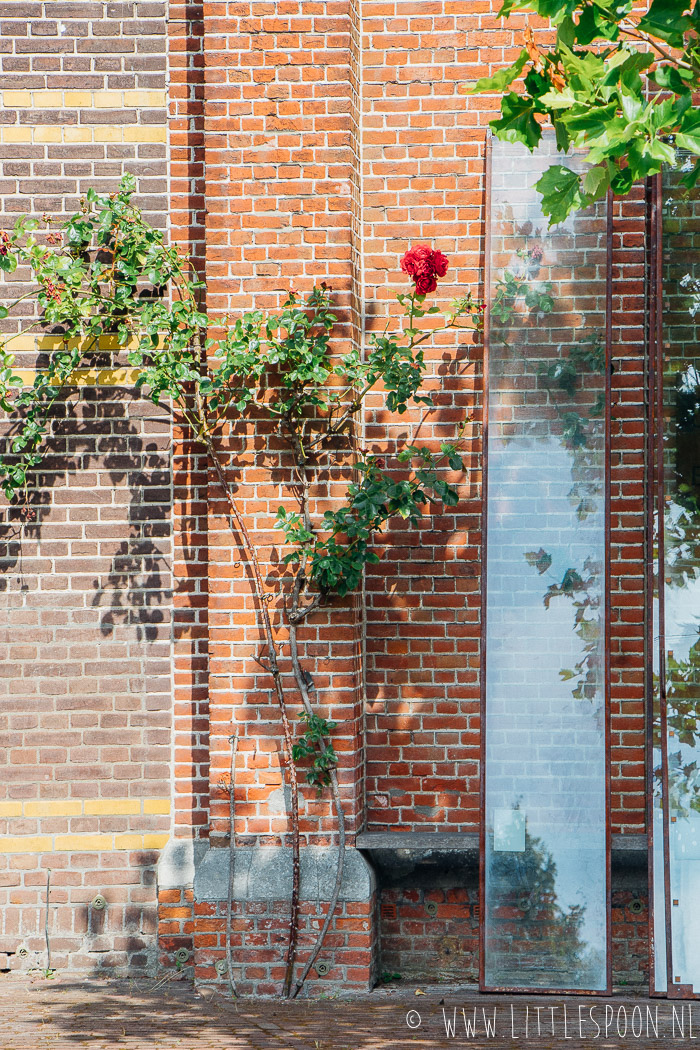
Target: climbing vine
{"type": "Point", "coordinates": [107, 271]}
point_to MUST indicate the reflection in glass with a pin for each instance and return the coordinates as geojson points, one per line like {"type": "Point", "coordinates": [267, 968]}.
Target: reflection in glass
{"type": "Point", "coordinates": [545, 907]}
{"type": "Point", "coordinates": [677, 637]}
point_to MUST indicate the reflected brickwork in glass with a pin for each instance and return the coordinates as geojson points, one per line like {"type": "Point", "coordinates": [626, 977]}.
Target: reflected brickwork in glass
{"type": "Point", "coordinates": [545, 876]}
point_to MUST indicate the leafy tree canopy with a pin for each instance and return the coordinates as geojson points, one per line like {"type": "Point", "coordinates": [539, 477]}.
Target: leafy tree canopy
{"type": "Point", "coordinates": [616, 85]}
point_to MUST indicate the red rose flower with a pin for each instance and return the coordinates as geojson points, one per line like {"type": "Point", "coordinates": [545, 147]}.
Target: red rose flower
{"type": "Point", "coordinates": [4, 243]}
{"type": "Point", "coordinates": [424, 266]}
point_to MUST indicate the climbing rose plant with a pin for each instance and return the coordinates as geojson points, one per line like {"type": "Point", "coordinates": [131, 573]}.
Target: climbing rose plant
{"type": "Point", "coordinates": [107, 271]}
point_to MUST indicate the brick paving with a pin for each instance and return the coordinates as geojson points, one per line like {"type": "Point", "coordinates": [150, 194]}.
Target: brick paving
{"type": "Point", "coordinates": [68, 1012]}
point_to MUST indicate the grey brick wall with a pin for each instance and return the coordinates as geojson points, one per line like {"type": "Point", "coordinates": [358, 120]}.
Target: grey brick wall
{"type": "Point", "coordinates": [85, 568]}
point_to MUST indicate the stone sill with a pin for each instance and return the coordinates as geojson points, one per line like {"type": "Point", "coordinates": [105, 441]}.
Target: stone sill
{"type": "Point", "coordinates": [628, 851]}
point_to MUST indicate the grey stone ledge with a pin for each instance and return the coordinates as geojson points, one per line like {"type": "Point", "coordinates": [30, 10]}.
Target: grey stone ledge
{"type": "Point", "coordinates": [627, 850]}
{"type": "Point", "coordinates": [178, 861]}
{"type": "Point", "coordinates": [264, 873]}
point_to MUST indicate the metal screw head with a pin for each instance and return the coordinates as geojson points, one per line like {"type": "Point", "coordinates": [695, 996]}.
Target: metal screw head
{"type": "Point", "coordinates": [182, 955]}
{"type": "Point", "coordinates": [524, 904]}
{"type": "Point", "coordinates": [99, 903]}
{"type": "Point", "coordinates": [22, 952]}
{"type": "Point", "coordinates": [323, 968]}
{"type": "Point", "coordinates": [221, 966]}
{"type": "Point", "coordinates": [431, 908]}
{"type": "Point", "coordinates": [636, 906]}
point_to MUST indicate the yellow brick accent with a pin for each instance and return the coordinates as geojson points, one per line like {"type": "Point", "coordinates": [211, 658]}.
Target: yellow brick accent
{"type": "Point", "coordinates": [111, 807]}
{"type": "Point", "coordinates": [46, 342]}
{"type": "Point", "coordinates": [16, 99]}
{"type": "Point", "coordinates": [10, 809]}
{"type": "Point", "coordinates": [47, 99]}
{"type": "Point", "coordinates": [82, 843]}
{"type": "Point", "coordinates": [107, 134]}
{"type": "Point", "coordinates": [48, 133]}
{"type": "Point", "coordinates": [73, 134]}
{"type": "Point", "coordinates": [107, 99]}
{"type": "Point", "coordinates": [156, 805]}
{"type": "Point", "coordinates": [14, 134]}
{"type": "Point", "coordinates": [128, 841]}
{"type": "Point", "coordinates": [25, 844]}
{"type": "Point", "coordinates": [57, 808]}
{"type": "Point", "coordinates": [155, 841]}
{"type": "Point", "coordinates": [145, 99]}
{"type": "Point", "coordinates": [21, 342]}
{"type": "Point", "coordinates": [145, 134]}
{"type": "Point", "coordinates": [73, 99]}
{"type": "Point", "coordinates": [88, 377]}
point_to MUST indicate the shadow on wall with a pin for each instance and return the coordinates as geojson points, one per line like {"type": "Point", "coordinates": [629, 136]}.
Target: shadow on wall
{"type": "Point", "coordinates": [99, 457]}
{"type": "Point", "coordinates": [86, 574]}
{"type": "Point", "coordinates": [422, 628]}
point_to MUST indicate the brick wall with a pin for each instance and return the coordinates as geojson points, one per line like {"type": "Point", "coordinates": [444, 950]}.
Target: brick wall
{"type": "Point", "coordinates": [85, 686]}
{"type": "Point", "coordinates": [308, 141]}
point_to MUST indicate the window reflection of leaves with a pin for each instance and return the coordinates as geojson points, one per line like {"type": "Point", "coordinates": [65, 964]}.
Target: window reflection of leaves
{"type": "Point", "coordinates": [563, 378]}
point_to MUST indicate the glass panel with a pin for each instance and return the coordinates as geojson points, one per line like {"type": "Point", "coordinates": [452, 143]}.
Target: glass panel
{"type": "Point", "coordinates": [679, 636]}
{"type": "Point", "coordinates": [546, 896]}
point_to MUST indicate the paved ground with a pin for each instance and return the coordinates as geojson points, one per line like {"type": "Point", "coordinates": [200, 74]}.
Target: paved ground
{"type": "Point", "coordinates": [39, 1014]}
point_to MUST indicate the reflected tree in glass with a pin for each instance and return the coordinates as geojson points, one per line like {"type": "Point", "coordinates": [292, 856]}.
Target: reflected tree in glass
{"type": "Point", "coordinates": [676, 683]}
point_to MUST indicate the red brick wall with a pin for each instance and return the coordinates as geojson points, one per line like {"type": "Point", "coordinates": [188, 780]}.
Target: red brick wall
{"type": "Point", "coordinates": [308, 141]}
{"type": "Point", "coordinates": [627, 518]}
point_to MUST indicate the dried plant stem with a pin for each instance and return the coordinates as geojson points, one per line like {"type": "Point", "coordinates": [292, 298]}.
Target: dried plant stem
{"type": "Point", "coordinates": [233, 740]}
{"type": "Point", "coordinates": [262, 600]}
{"type": "Point", "coordinates": [340, 816]}
{"type": "Point", "coordinates": [46, 922]}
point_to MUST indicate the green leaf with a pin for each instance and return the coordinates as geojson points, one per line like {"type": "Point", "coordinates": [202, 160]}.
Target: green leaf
{"type": "Point", "coordinates": [689, 140]}
{"type": "Point", "coordinates": [691, 178]}
{"type": "Point", "coordinates": [667, 19]}
{"type": "Point", "coordinates": [632, 106]}
{"type": "Point", "coordinates": [500, 80]}
{"type": "Point", "coordinates": [561, 193]}
{"type": "Point", "coordinates": [671, 79]}
{"type": "Point", "coordinates": [517, 122]}
{"type": "Point", "coordinates": [596, 181]}
{"type": "Point", "coordinates": [539, 560]}
{"type": "Point", "coordinates": [559, 99]}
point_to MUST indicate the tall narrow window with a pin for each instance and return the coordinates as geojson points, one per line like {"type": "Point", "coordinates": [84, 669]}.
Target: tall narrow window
{"type": "Point", "coordinates": [545, 837]}
{"type": "Point", "coordinates": [675, 461]}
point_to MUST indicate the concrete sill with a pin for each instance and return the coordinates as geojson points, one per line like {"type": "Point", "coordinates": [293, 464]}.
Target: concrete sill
{"type": "Point", "coordinates": [627, 850]}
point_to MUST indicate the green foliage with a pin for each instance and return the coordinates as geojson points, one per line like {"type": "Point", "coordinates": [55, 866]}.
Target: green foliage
{"type": "Point", "coordinates": [613, 85]}
{"type": "Point", "coordinates": [583, 589]}
{"type": "Point", "coordinates": [314, 744]}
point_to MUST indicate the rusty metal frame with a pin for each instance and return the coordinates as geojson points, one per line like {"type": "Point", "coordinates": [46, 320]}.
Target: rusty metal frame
{"type": "Point", "coordinates": [484, 547]}
{"type": "Point", "coordinates": [655, 492]}
{"type": "Point", "coordinates": [483, 987]}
